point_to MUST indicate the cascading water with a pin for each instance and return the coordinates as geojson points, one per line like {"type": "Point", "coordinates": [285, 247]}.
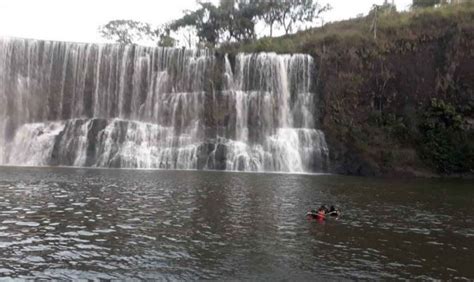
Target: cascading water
{"type": "Point", "coordinates": [140, 107]}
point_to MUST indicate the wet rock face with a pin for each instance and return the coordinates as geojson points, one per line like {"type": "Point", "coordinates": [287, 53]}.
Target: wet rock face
{"type": "Point", "coordinates": [138, 107]}
{"type": "Point", "coordinates": [220, 157]}
{"type": "Point", "coordinates": [376, 98]}
{"type": "Point", "coordinates": [212, 156]}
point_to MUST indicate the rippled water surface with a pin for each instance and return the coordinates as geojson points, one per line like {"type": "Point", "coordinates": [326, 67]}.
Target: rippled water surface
{"type": "Point", "coordinates": [79, 223]}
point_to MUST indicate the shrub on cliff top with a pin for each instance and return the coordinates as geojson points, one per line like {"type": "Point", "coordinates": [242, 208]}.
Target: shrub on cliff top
{"type": "Point", "coordinates": [356, 33]}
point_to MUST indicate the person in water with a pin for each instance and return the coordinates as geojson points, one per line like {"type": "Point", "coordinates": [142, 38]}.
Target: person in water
{"type": "Point", "coordinates": [333, 211]}
{"type": "Point", "coordinates": [318, 214]}
{"type": "Point", "coordinates": [323, 211]}
{"type": "Point", "coordinates": [326, 210]}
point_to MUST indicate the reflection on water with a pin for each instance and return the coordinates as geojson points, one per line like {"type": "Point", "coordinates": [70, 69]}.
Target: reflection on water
{"type": "Point", "coordinates": [70, 223]}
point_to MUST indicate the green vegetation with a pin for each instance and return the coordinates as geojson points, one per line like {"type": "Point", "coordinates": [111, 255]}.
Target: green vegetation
{"type": "Point", "coordinates": [392, 28]}
{"type": "Point", "coordinates": [446, 141]}
{"type": "Point", "coordinates": [128, 31]}
{"type": "Point", "coordinates": [229, 21]}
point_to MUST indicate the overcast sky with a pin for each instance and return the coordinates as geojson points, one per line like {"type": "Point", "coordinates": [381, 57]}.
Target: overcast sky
{"type": "Point", "coordinates": [79, 20]}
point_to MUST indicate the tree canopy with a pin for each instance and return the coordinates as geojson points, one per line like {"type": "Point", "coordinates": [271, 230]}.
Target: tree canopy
{"type": "Point", "coordinates": [228, 21]}
{"type": "Point", "coordinates": [290, 13]}
{"type": "Point", "coordinates": [234, 20]}
{"type": "Point", "coordinates": [128, 31]}
{"type": "Point", "coordinates": [231, 20]}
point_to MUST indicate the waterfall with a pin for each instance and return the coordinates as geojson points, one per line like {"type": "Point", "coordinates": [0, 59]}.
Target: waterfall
{"type": "Point", "coordinates": [111, 105]}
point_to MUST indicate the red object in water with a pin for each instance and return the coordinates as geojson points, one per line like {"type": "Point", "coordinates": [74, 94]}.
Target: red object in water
{"type": "Point", "coordinates": [318, 216]}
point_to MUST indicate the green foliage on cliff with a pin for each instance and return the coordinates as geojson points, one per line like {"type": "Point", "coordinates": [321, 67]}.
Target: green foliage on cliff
{"type": "Point", "coordinates": [446, 142]}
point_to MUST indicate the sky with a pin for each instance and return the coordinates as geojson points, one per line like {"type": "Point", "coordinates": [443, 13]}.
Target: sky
{"type": "Point", "coordinates": [78, 20]}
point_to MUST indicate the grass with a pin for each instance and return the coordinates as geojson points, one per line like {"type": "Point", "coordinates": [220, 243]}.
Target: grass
{"type": "Point", "coordinates": [420, 23]}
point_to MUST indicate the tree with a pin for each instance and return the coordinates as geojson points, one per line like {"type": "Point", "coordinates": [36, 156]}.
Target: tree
{"type": "Point", "coordinates": [132, 32]}
{"type": "Point", "coordinates": [290, 13]}
{"type": "Point", "coordinates": [188, 36]}
{"type": "Point", "coordinates": [231, 20]}
{"type": "Point", "coordinates": [385, 8]}
{"type": "Point", "coordinates": [129, 31]}
{"type": "Point", "coordinates": [425, 3]}
{"type": "Point", "coordinates": [270, 13]}
{"type": "Point", "coordinates": [206, 20]}
{"type": "Point", "coordinates": [166, 40]}
{"type": "Point", "coordinates": [241, 20]}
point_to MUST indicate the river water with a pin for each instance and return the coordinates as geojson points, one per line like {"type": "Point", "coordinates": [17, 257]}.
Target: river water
{"type": "Point", "coordinates": [99, 223]}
